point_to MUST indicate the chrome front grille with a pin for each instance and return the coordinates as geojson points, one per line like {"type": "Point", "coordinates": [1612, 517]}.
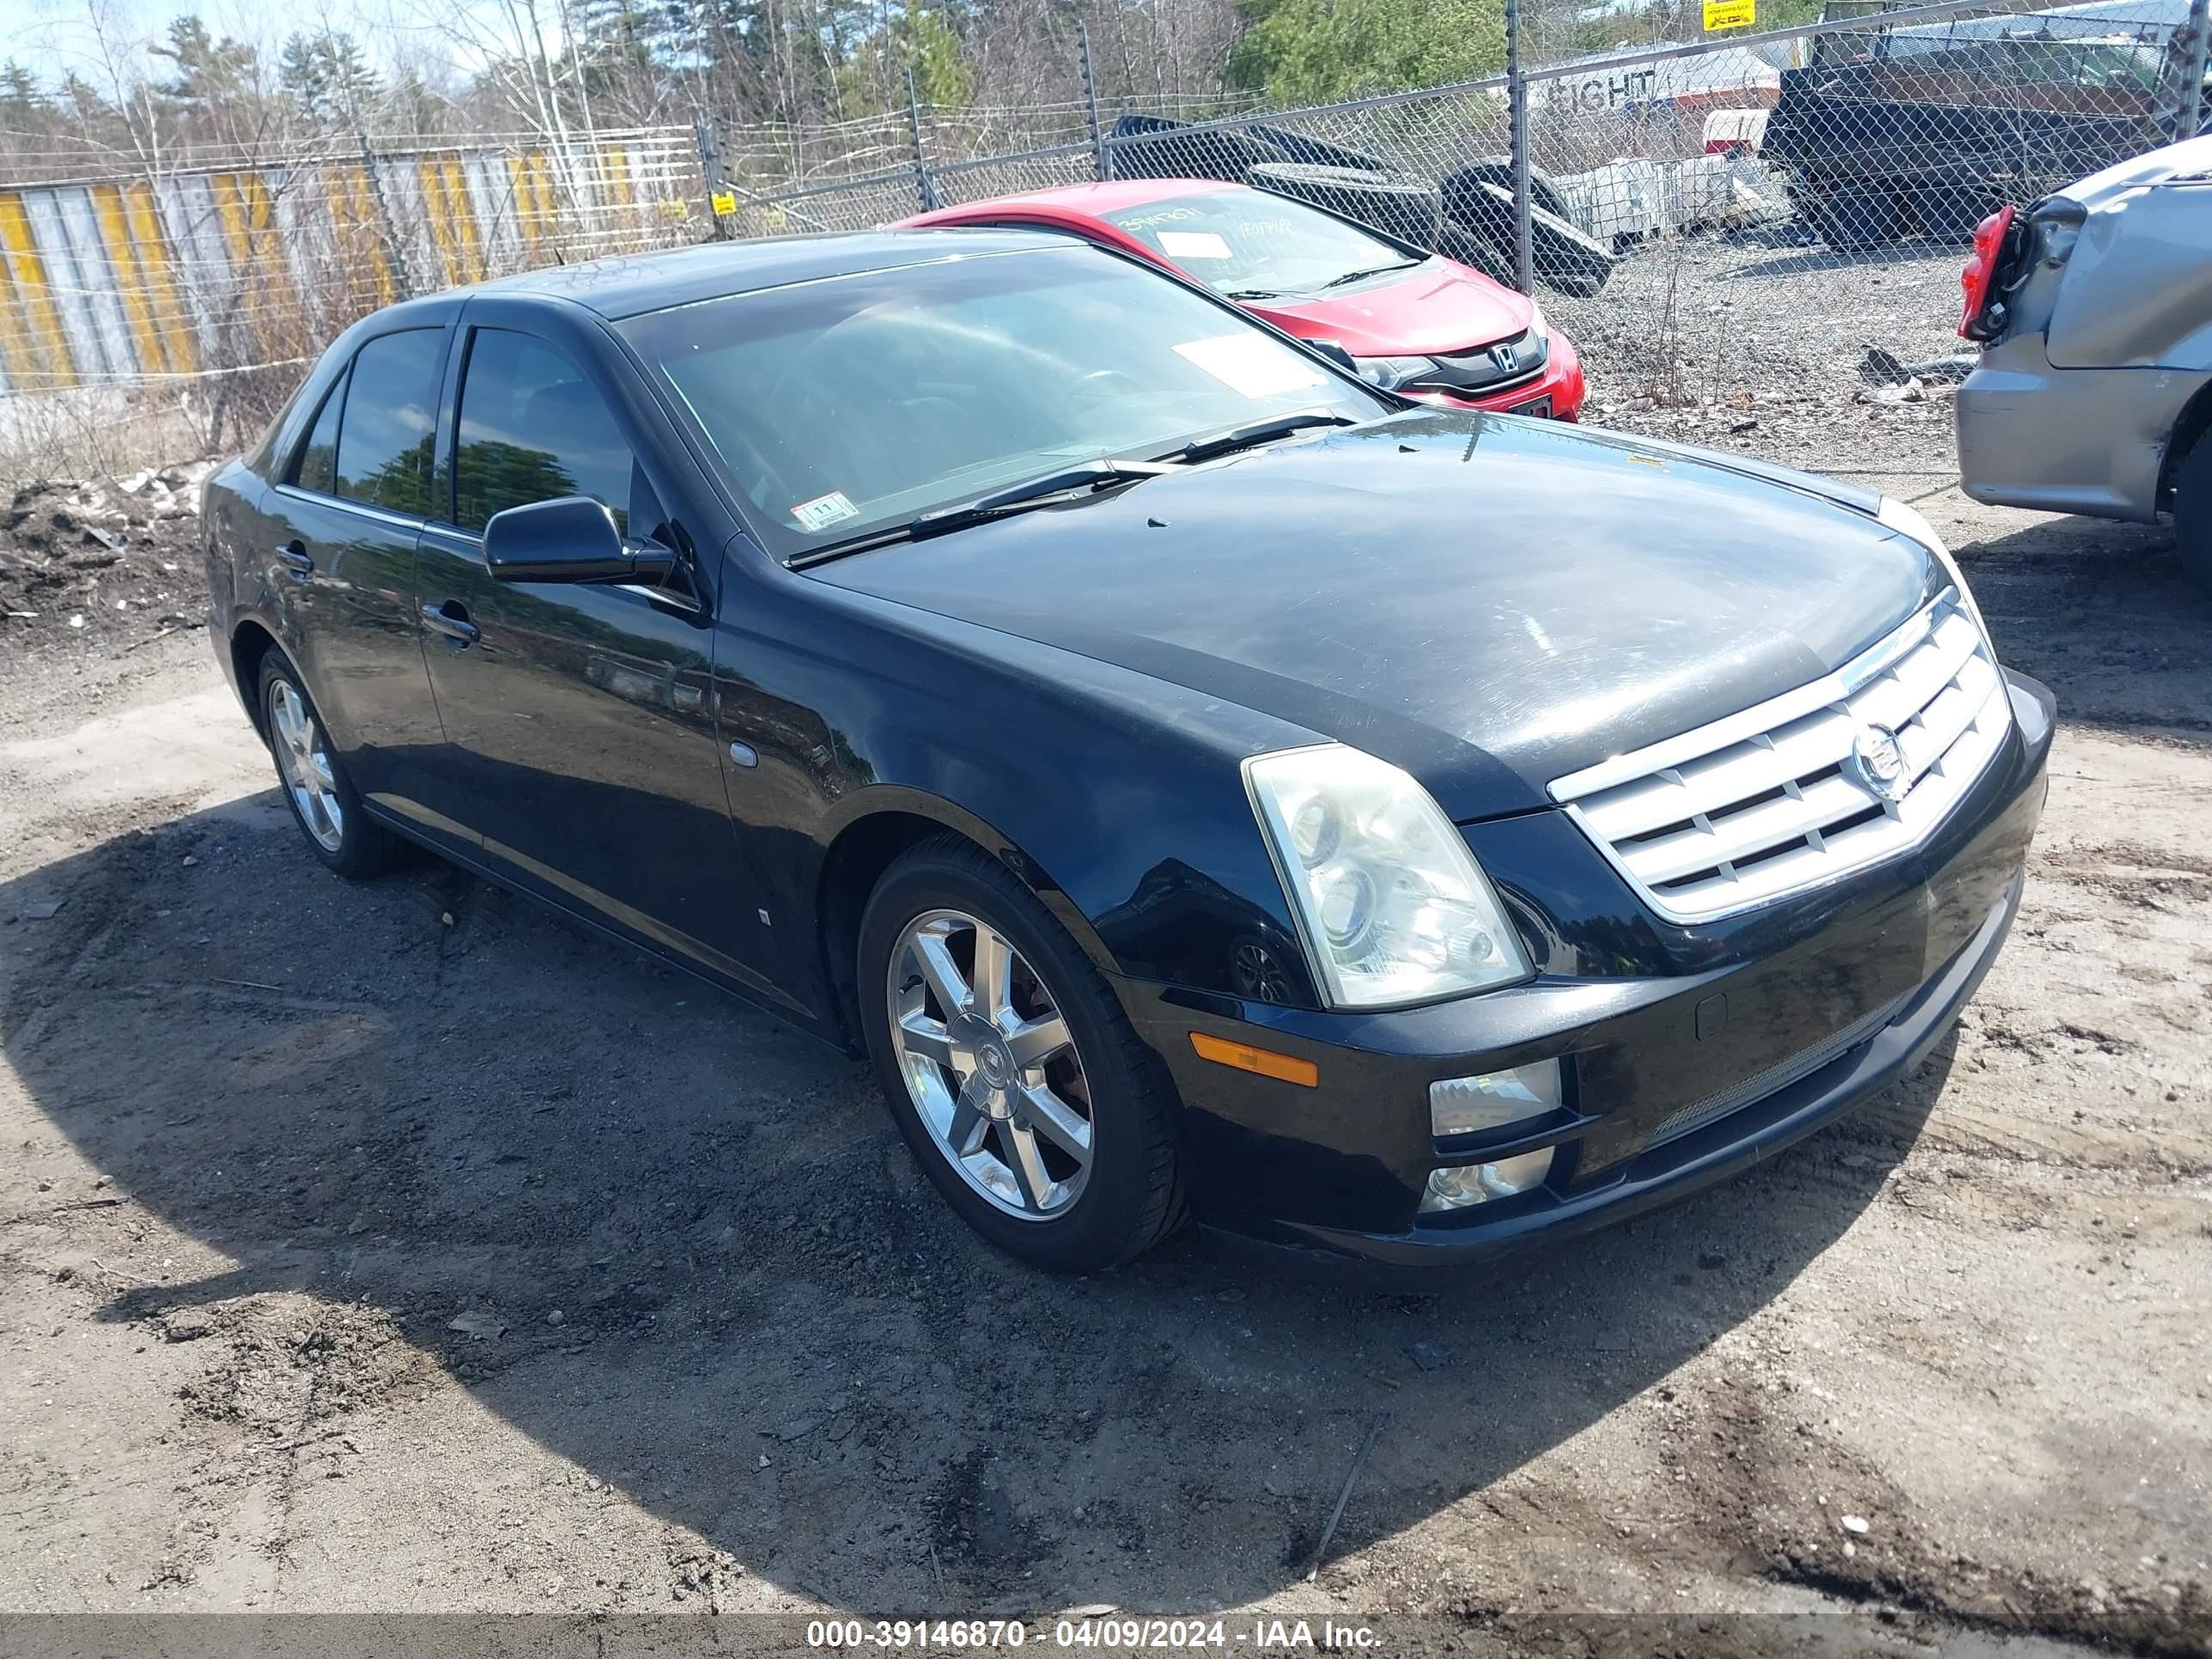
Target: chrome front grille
{"type": "Point", "coordinates": [1805, 787]}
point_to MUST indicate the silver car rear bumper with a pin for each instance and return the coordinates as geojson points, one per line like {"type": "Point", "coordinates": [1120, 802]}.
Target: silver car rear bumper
{"type": "Point", "coordinates": [2090, 440]}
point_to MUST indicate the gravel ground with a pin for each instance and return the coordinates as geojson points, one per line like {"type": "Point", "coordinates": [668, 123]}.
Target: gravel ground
{"type": "Point", "coordinates": [398, 1247]}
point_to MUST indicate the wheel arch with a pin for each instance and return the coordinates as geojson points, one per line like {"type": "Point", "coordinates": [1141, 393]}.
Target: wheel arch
{"type": "Point", "coordinates": [2190, 428]}
{"type": "Point", "coordinates": [251, 641]}
{"type": "Point", "coordinates": [876, 826]}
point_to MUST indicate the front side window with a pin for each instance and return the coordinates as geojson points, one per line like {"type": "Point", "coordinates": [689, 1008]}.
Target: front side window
{"type": "Point", "coordinates": [317, 469]}
{"type": "Point", "coordinates": [532, 429]}
{"type": "Point", "coordinates": [843, 406]}
{"type": "Point", "coordinates": [1251, 245]}
{"type": "Point", "coordinates": [386, 438]}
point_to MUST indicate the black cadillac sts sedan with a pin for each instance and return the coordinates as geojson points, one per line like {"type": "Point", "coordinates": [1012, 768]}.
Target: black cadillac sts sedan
{"type": "Point", "coordinates": [1201, 784]}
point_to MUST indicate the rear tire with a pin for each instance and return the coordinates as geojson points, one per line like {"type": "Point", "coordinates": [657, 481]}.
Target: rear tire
{"type": "Point", "coordinates": [1056, 1144]}
{"type": "Point", "coordinates": [324, 802]}
{"type": "Point", "coordinates": [1948, 213]}
{"type": "Point", "coordinates": [2192, 514]}
{"type": "Point", "coordinates": [1850, 221]}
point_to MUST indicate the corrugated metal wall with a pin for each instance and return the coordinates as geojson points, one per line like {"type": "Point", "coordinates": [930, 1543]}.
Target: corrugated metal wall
{"type": "Point", "coordinates": [196, 272]}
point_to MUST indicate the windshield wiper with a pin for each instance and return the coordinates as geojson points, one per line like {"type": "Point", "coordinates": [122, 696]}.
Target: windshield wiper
{"type": "Point", "coordinates": [1033, 492]}
{"type": "Point", "coordinates": [1252, 294]}
{"type": "Point", "coordinates": [1255, 432]}
{"type": "Point", "coordinates": [1351, 276]}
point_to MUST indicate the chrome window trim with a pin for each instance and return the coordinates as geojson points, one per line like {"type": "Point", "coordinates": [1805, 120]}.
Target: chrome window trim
{"type": "Point", "coordinates": [382, 515]}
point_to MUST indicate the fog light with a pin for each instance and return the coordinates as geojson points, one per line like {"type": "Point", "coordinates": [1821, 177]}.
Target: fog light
{"type": "Point", "coordinates": [1460, 1105]}
{"type": "Point", "coordinates": [1475, 1183]}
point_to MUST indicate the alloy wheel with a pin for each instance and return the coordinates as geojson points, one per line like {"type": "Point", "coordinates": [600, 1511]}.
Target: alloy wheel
{"type": "Point", "coordinates": [990, 1065]}
{"type": "Point", "coordinates": [303, 756]}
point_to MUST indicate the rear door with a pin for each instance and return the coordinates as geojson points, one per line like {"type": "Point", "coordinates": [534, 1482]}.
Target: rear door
{"type": "Point", "coordinates": [343, 520]}
{"type": "Point", "coordinates": [579, 717]}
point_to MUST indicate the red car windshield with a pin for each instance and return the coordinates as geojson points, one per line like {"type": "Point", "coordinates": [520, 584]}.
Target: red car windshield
{"type": "Point", "coordinates": [1250, 244]}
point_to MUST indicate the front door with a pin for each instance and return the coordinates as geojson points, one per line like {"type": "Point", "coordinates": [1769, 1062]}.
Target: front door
{"type": "Point", "coordinates": [580, 732]}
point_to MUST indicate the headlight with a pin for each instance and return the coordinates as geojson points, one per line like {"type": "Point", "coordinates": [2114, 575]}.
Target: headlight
{"type": "Point", "coordinates": [1910, 522]}
{"type": "Point", "coordinates": [1392, 906]}
{"type": "Point", "coordinates": [1389, 373]}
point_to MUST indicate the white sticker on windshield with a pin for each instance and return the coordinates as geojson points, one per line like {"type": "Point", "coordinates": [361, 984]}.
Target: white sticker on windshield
{"type": "Point", "coordinates": [823, 511]}
{"type": "Point", "coordinates": [1252, 364]}
{"type": "Point", "coordinates": [1194, 245]}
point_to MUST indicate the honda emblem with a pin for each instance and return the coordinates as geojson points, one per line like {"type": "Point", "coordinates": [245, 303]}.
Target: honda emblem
{"type": "Point", "coordinates": [1505, 358]}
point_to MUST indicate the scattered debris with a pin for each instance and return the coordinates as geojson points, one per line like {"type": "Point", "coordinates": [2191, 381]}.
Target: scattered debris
{"type": "Point", "coordinates": [478, 1325]}
{"type": "Point", "coordinates": [1911, 393]}
{"type": "Point", "coordinates": [1428, 1356]}
{"type": "Point", "coordinates": [44, 910]}
{"type": "Point", "coordinates": [557, 1317]}
{"type": "Point", "coordinates": [1855, 1523]}
{"type": "Point", "coordinates": [97, 555]}
{"type": "Point", "coordinates": [1879, 368]}
{"type": "Point", "coordinates": [1351, 1479]}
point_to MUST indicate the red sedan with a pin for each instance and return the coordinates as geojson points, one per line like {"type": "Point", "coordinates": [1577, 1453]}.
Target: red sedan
{"type": "Point", "coordinates": [1416, 323]}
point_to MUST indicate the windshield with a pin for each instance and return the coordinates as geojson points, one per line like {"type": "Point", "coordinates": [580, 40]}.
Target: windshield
{"type": "Point", "coordinates": [859, 403]}
{"type": "Point", "coordinates": [1252, 243]}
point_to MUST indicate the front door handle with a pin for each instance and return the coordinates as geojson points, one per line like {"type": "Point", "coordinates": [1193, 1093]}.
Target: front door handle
{"type": "Point", "coordinates": [452, 619]}
{"type": "Point", "coordinates": [295, 558]}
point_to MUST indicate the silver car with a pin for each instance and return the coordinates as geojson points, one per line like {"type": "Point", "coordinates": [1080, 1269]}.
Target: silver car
{"type": "Point", "coordinates": [2094, 391]}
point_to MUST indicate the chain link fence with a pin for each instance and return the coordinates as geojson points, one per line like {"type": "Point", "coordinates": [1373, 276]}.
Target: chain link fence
{"type": "Point", "coordinates": [1708, 218]}
{"type": "Point", "coordinates": [201, 288]}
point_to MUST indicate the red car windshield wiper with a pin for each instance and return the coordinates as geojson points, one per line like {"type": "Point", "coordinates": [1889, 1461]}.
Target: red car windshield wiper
{"type": "Point", "coordinates": [1352, 276]}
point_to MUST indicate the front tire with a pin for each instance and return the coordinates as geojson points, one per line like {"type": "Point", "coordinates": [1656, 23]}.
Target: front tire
{"type": "Point", "coordinates": [1010, 1069]}
{"type": "Point", "coordinates": [2192, 512]}
{"type": "Point", "coordinates": [324, 802]}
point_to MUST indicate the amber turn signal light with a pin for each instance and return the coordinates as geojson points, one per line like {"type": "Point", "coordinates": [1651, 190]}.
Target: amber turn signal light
{"type": "Point", "coordinates": [1266, 1062]}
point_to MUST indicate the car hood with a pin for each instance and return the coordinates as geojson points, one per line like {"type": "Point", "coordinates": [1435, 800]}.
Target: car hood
{"type": "Point", "coordinates": [1440, 307]}
{"type": "Point", "coordinates": [1489, 602]}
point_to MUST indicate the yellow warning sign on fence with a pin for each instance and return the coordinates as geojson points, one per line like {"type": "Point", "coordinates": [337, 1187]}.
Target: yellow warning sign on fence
{"type": "Point", "coordinates": [1730, 14]}
{"type": "Point", "coordinates": [725, 201]}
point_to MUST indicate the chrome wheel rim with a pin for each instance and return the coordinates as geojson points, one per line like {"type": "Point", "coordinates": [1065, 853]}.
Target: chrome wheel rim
{"type": "Point", "coordinates": [990, 1065]}
{"type": "Point", "coordinates": [303, 756]}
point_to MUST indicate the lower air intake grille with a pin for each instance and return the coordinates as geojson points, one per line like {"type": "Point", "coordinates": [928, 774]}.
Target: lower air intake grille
{"type": "Point", "coordinates": [1798, 1067]}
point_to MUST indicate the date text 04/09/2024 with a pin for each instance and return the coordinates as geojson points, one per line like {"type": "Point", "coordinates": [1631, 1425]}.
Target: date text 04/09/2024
{"type": "Point", "coordinates": [1111, 1633]}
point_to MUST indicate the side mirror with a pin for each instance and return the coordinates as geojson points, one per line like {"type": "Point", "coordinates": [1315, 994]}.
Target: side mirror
{"type": "Point", "coordinates": [570, 539]}
{"type": "Point", "coordinates": [1335, 351]}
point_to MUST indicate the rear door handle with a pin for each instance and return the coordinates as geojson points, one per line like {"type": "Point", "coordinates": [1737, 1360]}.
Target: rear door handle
{"type": "Point", "coordinates": [452, 619]}
{"type": "Point", "coordinates": [295, 558]}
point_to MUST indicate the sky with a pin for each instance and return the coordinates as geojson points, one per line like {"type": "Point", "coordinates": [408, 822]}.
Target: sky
{"type": "Point", "coordinates": [53, 37]}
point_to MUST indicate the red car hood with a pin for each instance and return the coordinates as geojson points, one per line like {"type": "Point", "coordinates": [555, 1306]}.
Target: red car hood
{"type": "Point", "coordinates": [1440, 307]}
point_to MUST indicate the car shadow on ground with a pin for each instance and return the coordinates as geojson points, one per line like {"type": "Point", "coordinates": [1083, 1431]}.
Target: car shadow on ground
{"type": "Point", "coordinates": [2102, 614]}
{"type": "Point", "coordinates": [437, 1116]}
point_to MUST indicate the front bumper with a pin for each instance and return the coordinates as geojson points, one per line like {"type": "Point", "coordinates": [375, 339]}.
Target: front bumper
{"type": "Point", "coordinates": [1559, 388]}
{"type": "Point", "coordinates": [1334, 1175]}
{"type": "Point", "coordinates": [2089, 440]}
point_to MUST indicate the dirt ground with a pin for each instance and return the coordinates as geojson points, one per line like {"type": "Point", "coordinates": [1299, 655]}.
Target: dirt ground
{"type": "Point", "coordinates": [398, 1247]}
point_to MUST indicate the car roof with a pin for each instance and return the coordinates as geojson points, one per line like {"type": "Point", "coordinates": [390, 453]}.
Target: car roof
{"type": "Point", "coordinates": [1083, 201]}
{"type": "Point", "coordinates": [628, 284]}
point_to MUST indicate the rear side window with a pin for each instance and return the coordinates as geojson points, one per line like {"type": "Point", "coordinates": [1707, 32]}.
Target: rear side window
{"type": "Point", "coordinates": [532, 429]}
{"type": "Point", "coordinates": [384, 447]}
{"type": "Point", "coordinates": [319, 461]}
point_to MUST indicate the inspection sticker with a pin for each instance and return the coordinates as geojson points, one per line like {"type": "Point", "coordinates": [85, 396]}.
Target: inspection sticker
{"type": "Point", "coordinates": [824, 510]}
{"type": "Point", "coordinates": [1252, 364]}
{"type": "Point", "coordinates": [1193, 245]}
